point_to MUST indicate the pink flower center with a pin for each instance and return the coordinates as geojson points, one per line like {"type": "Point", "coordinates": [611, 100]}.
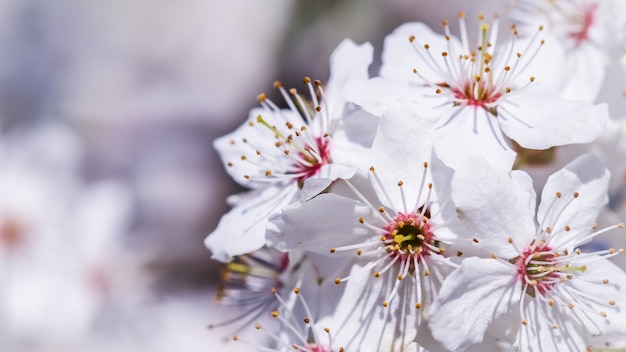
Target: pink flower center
{"type": "Point", "coordinates": [480, 77]}
{"type": "Point", "coordinates": [410, 236]}
{"type": "Point", "coordinates": [581, 23]}
{"type": "Point", "coordinates": [313, 158]}
{"type": "Point", "coordinates": [538, 269]}
{"type": "Point", "coordinates": [478, 94]}
{"type": "Point", "coordinates": [316, 348]}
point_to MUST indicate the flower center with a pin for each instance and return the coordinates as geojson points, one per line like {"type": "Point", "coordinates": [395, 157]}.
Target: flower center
{"type": "Point", "coordinates": [314, 158]}
{"type": "Point", "coordinates": [409, 236]}
{"type": "Point", "coordinates": [480, 89]}
{"type": "Point", "coordinates": [578, 19]}
{"type": "Point", "coordinates": [316, 348]}
{"type": "Point", "coordinates": [539, 268]}
{"type": "Point", "coordinates": [479, 77]}
{"type": "Point", "coordinates": [301, 135]}
{"type": "Point", "coordinates": [479, 94]}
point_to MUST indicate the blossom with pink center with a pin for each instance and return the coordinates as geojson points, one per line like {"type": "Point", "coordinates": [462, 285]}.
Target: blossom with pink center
{"type": "Point", "coordinates": [285, 154]}
{"type": "Point", "coordinates": [536, 269]}
{"type": "Point", "coordinates": [387, 238]}
{"type": "Point", "coordinates": [582, 23]}
{"type": "Point", "coordinates": [538, 284]}
{"type": "Point", "coordinates": [485, 95]}
{"type": "Point", "coordinates": [585, 38]}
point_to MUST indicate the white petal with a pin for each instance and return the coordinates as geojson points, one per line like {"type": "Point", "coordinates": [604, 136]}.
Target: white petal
{"type": "Point", "coordinates": [465, 131]}
{"type": "Point", "coordinates": [547, 66]}
{"type": "Point", "coordinates": [325, 221]}
{"type": "Point", "coordinates": [358, 321]}
{"type": "Point", "coordinates": [357, 127]}
{"type": "Point", "coordinates": [489, 344]}
{"type": "Point", "coordinates": [327, 175]}
{"type": "Point", "coordinates": [444, 219]}
{"type": "Point", "coordinates": [471, 298]}
{"type": "Point", "coordinates": [375, 95]}
{"type": "Point", "coordinates": [402, 145]}
{"type": "Point", "coordinates": [352, 140]}
{"type": "Point", "coordinates": [586, 67]}
{"type": "Point", "coordinates": [494, 205]}
{"type": "Point", "coordinates": [348, 62]}
{"type": "Point", "coordinates": [586, 176]}
{"type": "Point", "coordinates": [539, 335]}
{"type": "Point", "coordinates": [242, 229]}
{"type": "Point", "coordinates": [540, 121]}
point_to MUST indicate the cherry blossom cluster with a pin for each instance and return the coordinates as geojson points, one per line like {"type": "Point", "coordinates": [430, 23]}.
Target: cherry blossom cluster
{"type": "Point", "coordinates": [399, 212]}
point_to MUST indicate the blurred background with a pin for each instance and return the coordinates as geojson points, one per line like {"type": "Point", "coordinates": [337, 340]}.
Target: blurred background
{"type": "Point", "coordinates": [108, 179]}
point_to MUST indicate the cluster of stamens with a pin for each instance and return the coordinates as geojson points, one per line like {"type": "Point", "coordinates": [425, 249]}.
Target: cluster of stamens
{"type": "Point", "coordinates": [539, 268]}
{"type": "Point", "coordinates": [409, 237]}
{"type": "Point", "coordinates": [479, 77]}
{"type": "Point", "coordinates": [246, 281]}
{"type": "Point", "coordinates": [405, 239]}
{"type": "Point", "coordinates": [545, 266]}
{"type": "Point", "coordinates": [299, 133]}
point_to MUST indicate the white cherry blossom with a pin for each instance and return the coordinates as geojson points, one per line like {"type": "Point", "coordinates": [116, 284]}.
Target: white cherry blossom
{"type": "Point", "coordinates": [391, 237]}
{"type": "Point", "coordinates": [537, 283]}
{"type": "Point", "coordinates": [282, 154]}
{"type": "Point", "coordinates": [587, 35]}
{"type": "Point", "coordinates": [483, 93]}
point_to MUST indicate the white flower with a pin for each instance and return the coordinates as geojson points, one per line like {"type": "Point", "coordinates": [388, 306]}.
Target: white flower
{"type": "Point", "coordinates": [279, 153]}
{"type": "Point", "coordinates": [611, 147]}
{"type": "Point", "coordinates": [482, 93]}
{"type": "Point", "coordinates": [389, 247]}
{"type": "Point", "coordinates": [538, 285]}
{"type": "Point", "coordinates": [588, 34]}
